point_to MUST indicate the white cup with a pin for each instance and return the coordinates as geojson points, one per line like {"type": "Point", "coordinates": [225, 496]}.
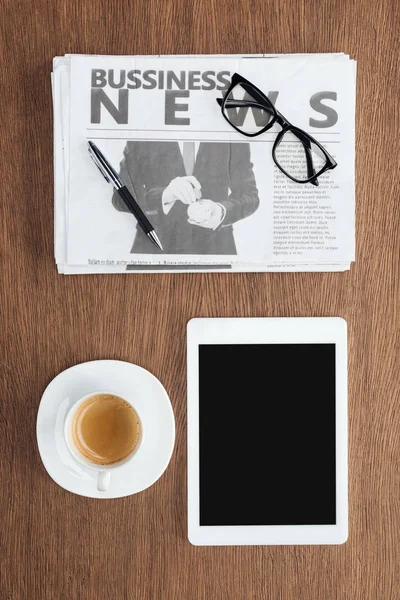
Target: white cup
{"type": "Point", "coordinates": [103, 471]}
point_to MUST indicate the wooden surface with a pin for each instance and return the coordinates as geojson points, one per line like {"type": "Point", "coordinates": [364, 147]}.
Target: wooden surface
{"type": "Point", "coordinates": [55, 545]}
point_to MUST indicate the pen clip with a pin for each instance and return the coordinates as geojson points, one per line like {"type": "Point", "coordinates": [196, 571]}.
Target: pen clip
{"type": "Point", "coordinates": [98, 165]}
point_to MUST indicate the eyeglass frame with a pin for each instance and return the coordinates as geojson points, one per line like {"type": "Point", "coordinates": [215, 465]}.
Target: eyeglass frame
{"type": "Point", "coordinates": [264, 103]}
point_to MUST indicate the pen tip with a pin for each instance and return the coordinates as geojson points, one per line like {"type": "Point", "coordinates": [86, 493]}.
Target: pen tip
{"type": "Point", "coordinates": [154, 238]}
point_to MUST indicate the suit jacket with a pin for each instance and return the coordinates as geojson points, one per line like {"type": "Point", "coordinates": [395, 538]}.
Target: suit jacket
{"type": "Point", "coordinates": [225, 174]}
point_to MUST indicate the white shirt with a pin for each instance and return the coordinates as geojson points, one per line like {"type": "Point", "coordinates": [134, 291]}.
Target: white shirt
{"type": "Point", "coordinates": [168, 205]}
{"type": "Point", "coordinates": [196, 148]}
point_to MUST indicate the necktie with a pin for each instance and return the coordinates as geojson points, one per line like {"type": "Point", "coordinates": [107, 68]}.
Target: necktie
{"type": "Point", "coordinates": [188, 157]}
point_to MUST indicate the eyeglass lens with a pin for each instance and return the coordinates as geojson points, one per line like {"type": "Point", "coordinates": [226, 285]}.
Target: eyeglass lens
{"type": "Point", "coordinates": [299, 156]}
{"type": "Point", "coordinates": [245, 112]}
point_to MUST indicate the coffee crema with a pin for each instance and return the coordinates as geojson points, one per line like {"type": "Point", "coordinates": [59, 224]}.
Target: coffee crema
{"type": "Point", "coordinates": [106, 429]}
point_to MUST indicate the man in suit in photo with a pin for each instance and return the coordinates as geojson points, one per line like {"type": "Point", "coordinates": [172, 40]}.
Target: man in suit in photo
{"type": "Point", "coordinates": [191, 192]}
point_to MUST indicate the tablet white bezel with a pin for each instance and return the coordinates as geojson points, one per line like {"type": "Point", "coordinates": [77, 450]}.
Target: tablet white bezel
{"type": "Point", "coordinates": [267, 331]}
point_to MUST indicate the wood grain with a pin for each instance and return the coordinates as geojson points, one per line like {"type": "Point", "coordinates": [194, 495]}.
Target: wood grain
{"type": "Point", "coordinates": [56, 545]}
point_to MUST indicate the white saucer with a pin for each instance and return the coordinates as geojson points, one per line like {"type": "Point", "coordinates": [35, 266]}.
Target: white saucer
{"type": "Point", "coordinates": [147, 395]}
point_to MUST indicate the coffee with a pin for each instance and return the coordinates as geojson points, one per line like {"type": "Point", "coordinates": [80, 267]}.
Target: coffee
{"type": "Point", "coordinates": [106, 429]}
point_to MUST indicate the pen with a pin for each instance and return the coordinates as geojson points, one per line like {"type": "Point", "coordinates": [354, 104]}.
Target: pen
{"type": "Point", "coordinates": [111, 176]}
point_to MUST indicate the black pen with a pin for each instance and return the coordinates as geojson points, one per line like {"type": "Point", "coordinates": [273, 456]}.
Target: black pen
{"type": "Point", "coordinates": [111, 176]}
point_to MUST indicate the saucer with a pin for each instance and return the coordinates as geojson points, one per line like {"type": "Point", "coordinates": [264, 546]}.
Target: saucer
{"type": "Point", "coordinates": [129, 381]}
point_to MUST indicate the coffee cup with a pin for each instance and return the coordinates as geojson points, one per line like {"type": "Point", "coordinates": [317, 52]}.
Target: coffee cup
{"type": "Point", "coordinates": [103, 432]}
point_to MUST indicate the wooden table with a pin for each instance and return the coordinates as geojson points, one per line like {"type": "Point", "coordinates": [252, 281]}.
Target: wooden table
{"type": "Point", "coordinates": [58, 546]}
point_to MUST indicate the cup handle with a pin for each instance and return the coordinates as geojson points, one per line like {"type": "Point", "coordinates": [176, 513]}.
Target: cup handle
{"type": "Point", "coordinates": [103, 480]}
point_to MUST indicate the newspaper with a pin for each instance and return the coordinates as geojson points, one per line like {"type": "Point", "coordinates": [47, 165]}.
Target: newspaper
{"type": "Point", "coordinates": [143, 112]}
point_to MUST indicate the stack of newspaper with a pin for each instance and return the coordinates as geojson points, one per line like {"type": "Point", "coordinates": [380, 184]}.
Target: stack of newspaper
{"type": "Point", "coordinates": [214, 196]}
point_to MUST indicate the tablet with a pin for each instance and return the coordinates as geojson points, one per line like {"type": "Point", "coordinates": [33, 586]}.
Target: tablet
{"type": "Point", "coordinates": [267, 431]}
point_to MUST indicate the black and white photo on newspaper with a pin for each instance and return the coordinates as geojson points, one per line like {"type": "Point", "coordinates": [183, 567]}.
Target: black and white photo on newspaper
{"type": "Point", "coordinates": [193, 192]}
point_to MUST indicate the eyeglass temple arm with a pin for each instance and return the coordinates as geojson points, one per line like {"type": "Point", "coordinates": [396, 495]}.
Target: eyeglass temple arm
{"type": "Point", "coordinates": [241, 103]}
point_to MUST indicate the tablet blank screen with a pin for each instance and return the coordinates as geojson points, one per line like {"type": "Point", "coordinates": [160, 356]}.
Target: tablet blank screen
{"type": "Point", "coordinates": [267, 434]}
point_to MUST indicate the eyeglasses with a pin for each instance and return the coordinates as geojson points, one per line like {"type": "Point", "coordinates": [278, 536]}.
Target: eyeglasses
{"type": "Point", "coordinates": [296, 153]}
